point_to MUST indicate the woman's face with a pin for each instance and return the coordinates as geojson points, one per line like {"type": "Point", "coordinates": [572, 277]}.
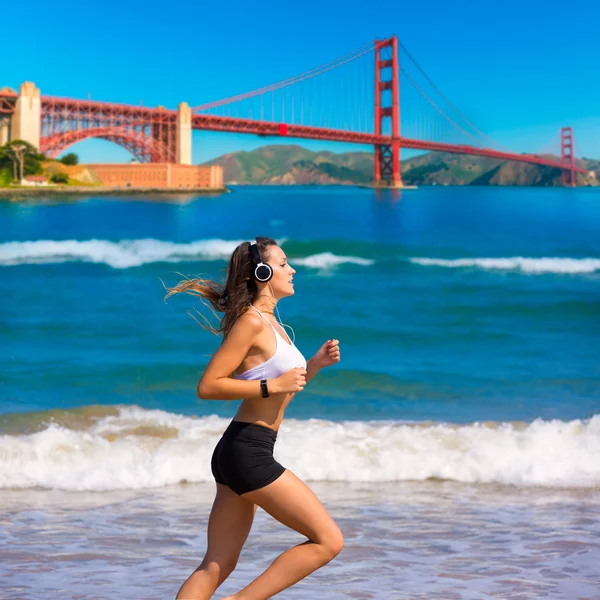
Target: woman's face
{"type": "Point", "coordinates": [281, 283]}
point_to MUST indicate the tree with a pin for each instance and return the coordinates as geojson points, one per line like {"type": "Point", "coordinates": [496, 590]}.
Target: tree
{"type": "Point", "coordinates": [17, 150]}
{"type": "Point", "coordinates": [4, 160]}
{"type": "Point", "coordinates": [32, 165]}
{"type": "Point", "coordinates": [59, 178]}
{"type": "Point", "coordinates": [70, 159]}
{"type": "Point", "coordinates": [7, 155]}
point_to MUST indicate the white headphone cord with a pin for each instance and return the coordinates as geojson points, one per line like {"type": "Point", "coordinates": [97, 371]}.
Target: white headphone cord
{"type": "Point", "coordinates": [283, 326]}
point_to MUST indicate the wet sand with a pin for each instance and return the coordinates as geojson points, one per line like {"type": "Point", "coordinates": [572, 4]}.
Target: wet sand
{"type": "Point", "coordinates": [434, 540]}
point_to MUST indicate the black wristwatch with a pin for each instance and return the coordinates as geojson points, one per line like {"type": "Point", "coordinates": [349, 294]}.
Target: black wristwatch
{"type": "Point", "coordinates": [264, 390]}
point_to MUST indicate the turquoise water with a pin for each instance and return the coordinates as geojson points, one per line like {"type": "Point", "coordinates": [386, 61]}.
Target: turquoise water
{"type": "Point", "coordinates": [83, 320]}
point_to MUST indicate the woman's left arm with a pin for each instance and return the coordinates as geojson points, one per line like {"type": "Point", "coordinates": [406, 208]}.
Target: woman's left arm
{"type": "Point", "coordinates": [328, 354]}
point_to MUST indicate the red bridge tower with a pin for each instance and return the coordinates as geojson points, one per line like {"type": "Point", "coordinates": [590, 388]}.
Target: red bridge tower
{"type": "Point", "coordinates": [568, 156]}
{"type": "Point", "coordinates": [387, 156]}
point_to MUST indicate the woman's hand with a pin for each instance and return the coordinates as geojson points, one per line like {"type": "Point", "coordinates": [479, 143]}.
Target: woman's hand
{"type": "Point", "coordinates": [290, 382]}
{"type": "Point", "coordinates": [328, 354]}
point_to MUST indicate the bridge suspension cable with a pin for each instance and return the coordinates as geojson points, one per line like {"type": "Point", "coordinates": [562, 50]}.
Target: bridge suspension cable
{"type": "Point", "coordinates": [446, 99]}
{"type": "Point", "coordinates": [334, 64]}
{"type": "Point", "coordinates": [420, 90]}
{"type": "Point", "coordinates": [549, 146]}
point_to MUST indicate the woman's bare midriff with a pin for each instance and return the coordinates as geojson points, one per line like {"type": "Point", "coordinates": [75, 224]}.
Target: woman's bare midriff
{"type": "Point", "coordinates": [267, 412]}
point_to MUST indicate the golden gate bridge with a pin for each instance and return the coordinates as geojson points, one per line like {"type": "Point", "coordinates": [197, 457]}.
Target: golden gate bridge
{"type": "Point", "coordinates": [353, 99]}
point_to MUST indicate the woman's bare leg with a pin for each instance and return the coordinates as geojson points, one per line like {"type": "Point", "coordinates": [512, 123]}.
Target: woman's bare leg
{"type": "Point", "coordinates": [294, 504]}
{"type": "Point", "coordinates": [228, 528]}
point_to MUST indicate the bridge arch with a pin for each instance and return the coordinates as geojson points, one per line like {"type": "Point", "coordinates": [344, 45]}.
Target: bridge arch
{"type": "Point", "coordinates": [142, 146]}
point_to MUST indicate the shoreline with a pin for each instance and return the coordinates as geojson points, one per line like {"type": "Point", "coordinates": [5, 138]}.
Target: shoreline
{"type": "Point", "coordinates": [87, 191]}
{"type": "Point", "coordinates": [440, 540]}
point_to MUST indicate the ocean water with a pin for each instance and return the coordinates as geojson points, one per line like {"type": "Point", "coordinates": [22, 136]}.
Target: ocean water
{"type": "Point", "coordinates": [467, 398]}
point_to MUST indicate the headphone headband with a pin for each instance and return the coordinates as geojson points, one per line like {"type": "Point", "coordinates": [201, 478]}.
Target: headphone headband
{"type": "Point", "coordinates": [255, 252]}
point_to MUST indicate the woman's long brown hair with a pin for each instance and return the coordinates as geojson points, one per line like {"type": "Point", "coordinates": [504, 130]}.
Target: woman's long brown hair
{"type": "Point", "coordinates": [234, 296]}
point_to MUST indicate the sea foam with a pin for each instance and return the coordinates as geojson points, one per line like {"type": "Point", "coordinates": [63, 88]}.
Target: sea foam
{"type": "Point", "coordinates": [125, 254]}
{"type": "Point", "coordinates": [325, 260]}
{"type": "Point", "coordinates": [517, 263]}
{"type": "Point", "coordinates": [119, 255]}
{"type": "Point", "coordinates": [138, 448]}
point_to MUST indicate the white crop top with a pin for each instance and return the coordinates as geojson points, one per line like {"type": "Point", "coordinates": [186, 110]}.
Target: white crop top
{"type": "Point", "coordinates": [286, 357]}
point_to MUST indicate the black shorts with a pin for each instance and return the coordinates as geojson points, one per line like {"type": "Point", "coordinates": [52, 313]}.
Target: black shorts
{"type": "Point", "coordinates": [243, 458]}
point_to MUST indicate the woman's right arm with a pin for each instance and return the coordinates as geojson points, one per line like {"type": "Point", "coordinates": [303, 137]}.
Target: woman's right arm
{"type": "Point", "coordinates": [216, 383]}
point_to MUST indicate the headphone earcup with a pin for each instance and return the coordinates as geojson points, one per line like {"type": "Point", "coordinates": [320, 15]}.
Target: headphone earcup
{"type": "Point", "coordinates": [263, 272]}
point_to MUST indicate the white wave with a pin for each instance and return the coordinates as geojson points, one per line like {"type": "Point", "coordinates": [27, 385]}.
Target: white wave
{"type": "Point", "coordinates": [526, 265]}
{"type": "Point", "coordinates": [326, 260]}
{"type": "Point", "coordinates": [120, 255]}
{"type": "Point", "coordinates": [142, 449]}
{"type": "Point", "coordinates": [134, 253]}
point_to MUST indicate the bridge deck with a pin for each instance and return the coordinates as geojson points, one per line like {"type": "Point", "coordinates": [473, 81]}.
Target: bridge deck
{"type": "Point", "coordinates": [263, 128]}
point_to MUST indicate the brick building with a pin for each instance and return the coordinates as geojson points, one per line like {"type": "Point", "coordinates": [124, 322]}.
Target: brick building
{"type": "Point", "coordinates": [158, 175]}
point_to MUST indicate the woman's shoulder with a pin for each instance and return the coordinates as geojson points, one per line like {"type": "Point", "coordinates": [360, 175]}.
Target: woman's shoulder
{"type": "Point", "coordinates": [249, 322]}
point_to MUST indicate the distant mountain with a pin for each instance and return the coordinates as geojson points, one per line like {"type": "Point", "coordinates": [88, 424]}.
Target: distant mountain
{"type": "Point", "coordinates": [295, 165]}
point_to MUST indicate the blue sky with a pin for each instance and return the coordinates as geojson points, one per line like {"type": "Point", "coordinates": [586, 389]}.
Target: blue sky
{"type": "Point", "coordinates": [515, 69]}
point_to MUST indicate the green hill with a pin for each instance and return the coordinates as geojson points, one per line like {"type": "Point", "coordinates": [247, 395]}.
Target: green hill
{"type": "Point", "coordinates": [293, 164]}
